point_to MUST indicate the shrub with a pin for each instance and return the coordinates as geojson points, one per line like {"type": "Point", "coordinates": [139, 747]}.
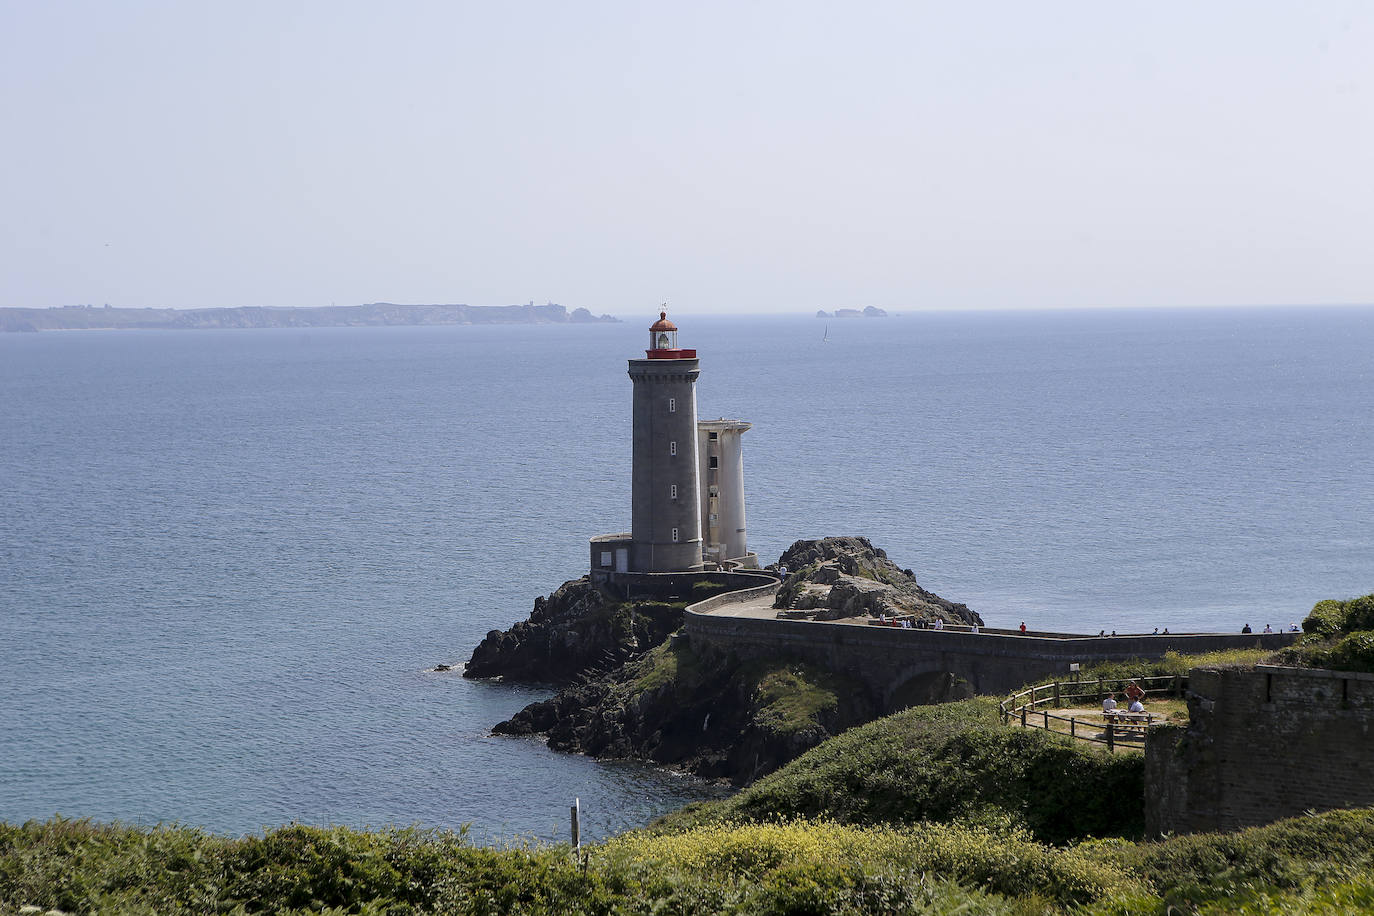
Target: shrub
{"type": "Point", "coordinates": [1326, 619]}
{"type": "Point", "coordinates": [951, 761]}
{"type": "Point", "coordinates": [1340, 635]}
{"type": "Point", "coordinates": [1359, 613]}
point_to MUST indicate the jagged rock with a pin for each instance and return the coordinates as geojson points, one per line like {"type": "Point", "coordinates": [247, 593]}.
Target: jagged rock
{"type": "Point", "coordinates": [871, 311]}
{"type": "Point", "coordinates": [862, 582]}
{"type": "Point", "coordinates": [822, 313]}
{"type": "Point", "coordinates": [717, 717]}
{"type": "Point", "coordinates": [703, 711]}
{"type": "Point", "coordinates": [577, 630]}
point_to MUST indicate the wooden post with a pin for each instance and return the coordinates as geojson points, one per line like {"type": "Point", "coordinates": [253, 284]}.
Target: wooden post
{"type": "Point", "coordinates": [1056, 696]}
{"type": "Point", "coordinates": [576, 823]}
{"type": "Point", "coordinates": [1100, 692]}
{"type": "Point", "coordinates": [1111, 746]}
{"type": "Point", "coordinates": [1047, 719]}
{"type": "Point", "coordinates": [1023, 717]}
{"type": "Point", "coordinates": [1072, 726]}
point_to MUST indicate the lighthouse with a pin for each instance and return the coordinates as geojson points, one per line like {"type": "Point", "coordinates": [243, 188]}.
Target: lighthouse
{"type": "Point", "coordinates": [665, 510]}
{"type": "Point", "coordinates": [686, 478]}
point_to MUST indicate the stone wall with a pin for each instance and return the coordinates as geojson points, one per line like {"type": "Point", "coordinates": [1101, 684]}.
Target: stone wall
{"type": "Point", "coordinates": [890, 660]}
{"type": "Point", "coordinates": [1262, 745]}
{"type": "Point", "coordinates": [668, 586]}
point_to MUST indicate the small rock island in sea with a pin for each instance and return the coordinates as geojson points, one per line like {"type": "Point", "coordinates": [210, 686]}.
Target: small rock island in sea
{"type": "Point", "coordinates": [632, 684]}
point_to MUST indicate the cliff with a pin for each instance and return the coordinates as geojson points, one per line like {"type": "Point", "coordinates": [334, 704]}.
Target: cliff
{"type": "Point", "coordinates": [579, 630]}
{"type": "Point", "coordinates": [706, 713]}
{"type": "Point", "coordinates": [633, 694]}
{"type": "Point", "coordinates": [377, 314]}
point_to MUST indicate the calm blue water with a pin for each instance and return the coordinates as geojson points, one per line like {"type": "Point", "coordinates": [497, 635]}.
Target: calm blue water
{"type": "Point", "coordinates": [227, 558]}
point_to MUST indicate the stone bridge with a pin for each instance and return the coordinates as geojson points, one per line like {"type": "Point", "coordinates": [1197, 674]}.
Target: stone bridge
{"type": "Point", "coordinates": [903, 667]}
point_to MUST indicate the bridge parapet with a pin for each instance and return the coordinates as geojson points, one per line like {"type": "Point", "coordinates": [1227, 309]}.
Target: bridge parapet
{"type": "Point", "coordinates": [887, 659]}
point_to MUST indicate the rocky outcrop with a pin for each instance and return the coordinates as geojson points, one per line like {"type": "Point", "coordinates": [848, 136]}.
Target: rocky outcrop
{"type": "Point", "coordinates": [579, 630]}
{"type": "Point", "coordinates": [708, 714]}
{"type": "Point", "coordinates": [697, 708]}
{"type": "Point", "coordinates": [849, 577]}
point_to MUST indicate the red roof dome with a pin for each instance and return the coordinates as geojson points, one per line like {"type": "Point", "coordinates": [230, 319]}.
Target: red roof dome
{"type": "Point", "coordinates": [663, 324]}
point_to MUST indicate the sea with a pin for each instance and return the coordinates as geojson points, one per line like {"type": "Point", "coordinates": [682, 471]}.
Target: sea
{"type": "Point", "coordinates": [230, 560]}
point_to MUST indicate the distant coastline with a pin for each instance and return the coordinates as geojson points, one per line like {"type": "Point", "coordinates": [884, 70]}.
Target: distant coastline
{"type": "Point", "coordinates": [376, 314]}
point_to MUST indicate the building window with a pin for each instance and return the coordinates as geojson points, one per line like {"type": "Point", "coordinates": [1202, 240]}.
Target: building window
{"type": "Point", "coordinates": [674, 535]}
{"type": "Point", "coordinates": [714, 462]}
{"type": "Point", "coordinates": [672, 491]}
{"type": "Point", "coordinates": [713, 490]}
{"type": "Point", "coordinates": [672, 447]}
{"type": "Point", "coordinates": [672, 405]}
{"type": "Point", "coordinates": [712, 437]}
{"type": "Point", "coordinates": [605, 558]}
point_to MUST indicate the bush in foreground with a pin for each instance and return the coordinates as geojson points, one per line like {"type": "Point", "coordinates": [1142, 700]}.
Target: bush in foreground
{"type": "Point", "coordinates": [1317, 864]}
{"type": "Point", "coordinates": [1339, 635]}
{"type": "Point", "coordinates": [941, 763]}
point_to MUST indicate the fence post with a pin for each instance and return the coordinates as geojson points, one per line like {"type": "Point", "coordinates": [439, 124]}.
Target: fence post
{"type": "Point", "coordinates": [1023, 717]}
{"type": "Point", "coordinates": [1111, 746]}
{"type": "Point", "coordinates": [1056, 696]}
{"type": "Point", "coordinates": [1100, 693]}
{"type": "Point", "coordinates": [1073, 723]}
{"type": "Point", "coordinates": [1047, 719]}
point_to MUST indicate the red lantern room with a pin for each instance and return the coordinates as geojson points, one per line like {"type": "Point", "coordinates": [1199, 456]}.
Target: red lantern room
{"type": "Point", "coordinates": [663, 341]}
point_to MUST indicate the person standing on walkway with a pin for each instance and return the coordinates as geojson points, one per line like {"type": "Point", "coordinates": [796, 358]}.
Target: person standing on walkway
{"type": "Point", "coordinates": [1023, 628]}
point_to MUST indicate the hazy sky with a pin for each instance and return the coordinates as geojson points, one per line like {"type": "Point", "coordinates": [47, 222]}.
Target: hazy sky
{"type": "Point", "coordinates": [722, 156]}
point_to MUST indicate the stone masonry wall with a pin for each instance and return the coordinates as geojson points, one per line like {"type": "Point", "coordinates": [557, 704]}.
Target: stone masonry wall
{"type": "Point", "coordinates": [888, 658]}
{"type": "Point", "coordinates": [1262, 745]}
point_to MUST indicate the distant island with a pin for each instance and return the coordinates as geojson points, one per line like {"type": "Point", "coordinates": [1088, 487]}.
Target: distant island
{"type": "Point", "coordinates": [376, 314]}
{"type": "Point", "coordinates": [868, 312]}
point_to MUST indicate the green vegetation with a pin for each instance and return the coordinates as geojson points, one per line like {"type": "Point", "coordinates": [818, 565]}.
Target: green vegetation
{"type": "Point", "coordinates": [934, 810]}
{"type": "Point", "coordinates": [793, 698]}
{"type": "Point", "coordinates": [941, 763]}
{"type": "Point", "coordinates": [1173, 664]}
{"type": "Point", "coordinates": [1316, 864]}
{"type": "Point", "coordinates": [1338, 635]}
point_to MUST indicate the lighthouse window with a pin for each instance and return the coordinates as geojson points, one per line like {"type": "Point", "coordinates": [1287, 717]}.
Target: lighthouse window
{"type": "Point", "coordinates": [715, 462]}
{"type": "Point", "coordinates": [672, 405]}
{"type": "Point", "coordinates": [672, 491]}
{"type": "Point", "coordinates": [674, 535]}
{"type": "Point", "coordinates": [672, 447]}
{"type": "Point", "coordinates": [713, 436]}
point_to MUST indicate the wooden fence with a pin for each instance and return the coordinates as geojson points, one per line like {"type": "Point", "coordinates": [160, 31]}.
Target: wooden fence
{"type": "Point", "coordinates": [1029, 707]}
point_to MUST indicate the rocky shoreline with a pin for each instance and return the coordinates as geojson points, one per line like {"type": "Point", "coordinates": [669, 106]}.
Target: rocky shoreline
{"type": "Point", "coordinates": [629, 690]}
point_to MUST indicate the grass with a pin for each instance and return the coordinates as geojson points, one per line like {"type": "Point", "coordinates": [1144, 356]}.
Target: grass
{"type": "Point", "coordinates": [1314, 864]}
{"type": "Point", "coordinates": [795, 697]}
{"type": "Point", "coordinates": [941, 763]}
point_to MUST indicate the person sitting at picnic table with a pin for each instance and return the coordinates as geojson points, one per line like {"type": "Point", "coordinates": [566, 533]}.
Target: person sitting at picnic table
{"type": "Point", "coordinates": [1134, 693]}
{"type": "Point", "coordinates": [1136, 706]}
{"type": "Point", "coordinates": [1109, 704]}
